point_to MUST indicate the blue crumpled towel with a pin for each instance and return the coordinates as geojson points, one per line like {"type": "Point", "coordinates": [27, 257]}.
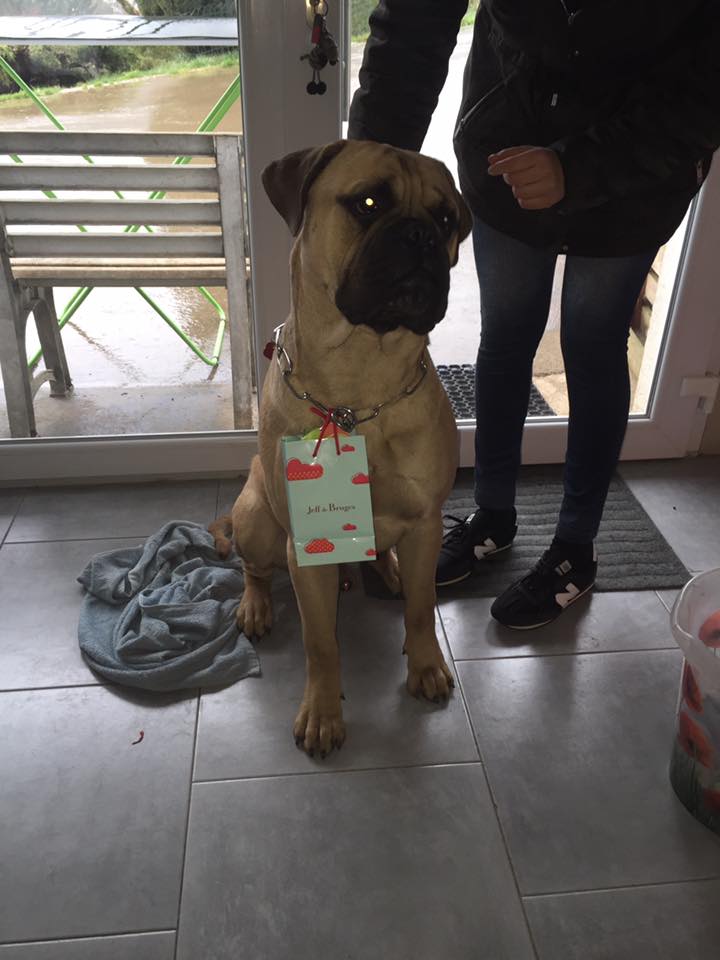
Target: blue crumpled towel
{"type": "Point", "coordinates": [161, 616]}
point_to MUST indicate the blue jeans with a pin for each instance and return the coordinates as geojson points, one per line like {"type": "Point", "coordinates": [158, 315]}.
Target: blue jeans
{"type": "Point", "coordinates": [598, 298]}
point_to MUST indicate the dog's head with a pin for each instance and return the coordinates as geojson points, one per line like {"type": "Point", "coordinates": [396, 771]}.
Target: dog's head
{"type": "Point", "coordinates": [378, 227]}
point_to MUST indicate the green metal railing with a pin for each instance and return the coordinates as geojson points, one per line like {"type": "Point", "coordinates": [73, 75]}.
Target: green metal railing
{"type": "Point", "coordinates": [211, 121]}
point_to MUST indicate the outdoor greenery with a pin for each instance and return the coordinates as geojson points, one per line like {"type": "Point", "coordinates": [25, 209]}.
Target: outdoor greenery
{"type": "Point", "coordinates": [183, 8]}
{"type": "Point", "coordinates": [68, 66]}
{"type": "Point", "coordinates": [145, 8]}
{"type": "Point", "coordinates": [361, 10]}
{"type": "Point", "coordinates": [166, 67]}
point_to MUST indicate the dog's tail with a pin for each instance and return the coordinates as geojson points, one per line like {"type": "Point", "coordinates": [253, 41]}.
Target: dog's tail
{"type": "Point", "coordinates": [221, 529]}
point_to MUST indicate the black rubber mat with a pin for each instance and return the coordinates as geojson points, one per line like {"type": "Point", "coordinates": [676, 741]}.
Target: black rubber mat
{"type": "Point", "coordinates": [459, 382]}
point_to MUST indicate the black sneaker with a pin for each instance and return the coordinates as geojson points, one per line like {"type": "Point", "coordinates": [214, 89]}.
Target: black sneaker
{"type": "Point", "coordinates": [560, 577]}
{"type": "Point", "coordinates": [481, 535]}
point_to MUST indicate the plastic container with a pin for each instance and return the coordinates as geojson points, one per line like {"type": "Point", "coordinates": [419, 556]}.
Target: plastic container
{"type": "Point", "coordinates": [695, 762]}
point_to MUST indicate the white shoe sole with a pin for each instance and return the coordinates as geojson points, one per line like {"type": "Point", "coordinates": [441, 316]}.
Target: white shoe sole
{"type": "Point", "coordinates": [535, 626]}
{"type": "Point", "coordinates": [449, 583]}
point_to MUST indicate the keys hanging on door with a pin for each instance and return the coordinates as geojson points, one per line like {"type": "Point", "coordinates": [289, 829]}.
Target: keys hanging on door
{"type": "Point", "coordinates": [323, 48]}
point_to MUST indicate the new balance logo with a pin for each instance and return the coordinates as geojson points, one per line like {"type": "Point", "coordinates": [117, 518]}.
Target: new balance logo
{"type": "Point", "coordinates": [567, 597]}
{"type": "Point", "coordinates": [483, 549]}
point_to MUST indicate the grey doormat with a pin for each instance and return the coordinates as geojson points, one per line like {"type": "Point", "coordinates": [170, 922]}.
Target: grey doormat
{"type": "Point", "coordinates": [632, 553]}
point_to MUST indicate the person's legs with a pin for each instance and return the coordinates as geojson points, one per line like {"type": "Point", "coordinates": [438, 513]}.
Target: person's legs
{"type": "Point", "coordinates": [598, 299]}
{"type": "Point", "coordinates": [515, 289]}
{"type": "Point", "coordinates": [597, 303]}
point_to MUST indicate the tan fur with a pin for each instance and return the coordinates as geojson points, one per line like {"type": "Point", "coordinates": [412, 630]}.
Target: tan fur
{"type": "Point", "coordinates": [412, 445]}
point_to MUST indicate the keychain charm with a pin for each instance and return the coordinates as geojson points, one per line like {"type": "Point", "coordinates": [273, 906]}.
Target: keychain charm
{"type": "Point", "coordinates": [323, 48]}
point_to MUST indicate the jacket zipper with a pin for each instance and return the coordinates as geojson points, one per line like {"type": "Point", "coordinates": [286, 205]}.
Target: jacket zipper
{"type": "Point", "coordinates": [570, 14]}
{"type": "Point", "coordinates": [467, 117]}
{"type": "Point", "coordinates": [570, 17]}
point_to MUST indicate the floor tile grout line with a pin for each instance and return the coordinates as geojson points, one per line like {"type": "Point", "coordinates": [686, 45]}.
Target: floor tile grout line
{"type": "Point", "coordinates": [187, 820]}
{"type": "Point", "coordinates": [332, 771]}
{"type": "Point", "coordinates": [491, 793]}
{"type": "Point", "coordinates": [217, 500]}
{"type": "Point", "coordinates": [620, 888]}
{"type": "Point", "coordinates": [657, 594]}
{"type": "Point", "coordinates": [501, 829]}
{"type": "Point", "coordinates": [88, 936]}
{"type": "Point", "coordinates": [71, 539]}
{"type": "Point", "coordinates": [127, 536]}
{"type": "Point", "coordinates": [458, 686]}
{"type": "Point", "coordinates": [57, 686]}
{"type": "Point", "coordinates": [569, 653]}
{"type": "Point", "coordinates": [3, 540]}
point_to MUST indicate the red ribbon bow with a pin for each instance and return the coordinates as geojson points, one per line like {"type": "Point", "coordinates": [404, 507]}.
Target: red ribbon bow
{"type": "Point", "coordinates": [327, 422]}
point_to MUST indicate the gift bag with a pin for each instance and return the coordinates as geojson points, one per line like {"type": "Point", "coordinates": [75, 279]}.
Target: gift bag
{"type": "Point", "coordinates": [328, 492]}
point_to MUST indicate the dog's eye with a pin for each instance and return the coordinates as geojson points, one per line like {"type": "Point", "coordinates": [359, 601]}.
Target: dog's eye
{"type": "Point", "coordinates": [446, 221]}
{"type": "Point", "coordinates": [366, 206]}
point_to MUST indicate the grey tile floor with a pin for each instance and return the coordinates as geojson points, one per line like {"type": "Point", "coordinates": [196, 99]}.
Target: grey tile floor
{"type": "Point", "coordinates": [531, 818]}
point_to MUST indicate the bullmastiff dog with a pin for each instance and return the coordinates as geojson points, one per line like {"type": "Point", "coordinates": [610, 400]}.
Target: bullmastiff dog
{"type": "Point", "coordinates": [377, 230]}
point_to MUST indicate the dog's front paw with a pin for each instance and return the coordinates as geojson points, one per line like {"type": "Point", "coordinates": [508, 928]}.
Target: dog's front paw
{"type": "Point", "coordinates": [319, 726]}
{"type": "Point", "coordinates": [254, 615]}
{"type": "Point", "coordinates": [430, 677]}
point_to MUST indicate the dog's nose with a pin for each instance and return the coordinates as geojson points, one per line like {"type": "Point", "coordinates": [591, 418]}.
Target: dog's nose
{"type": "Point", "coordinates": [419, 234]}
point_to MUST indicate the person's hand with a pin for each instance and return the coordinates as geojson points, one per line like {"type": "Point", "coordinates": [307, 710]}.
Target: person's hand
{"type": "Point", "coordinates": [534, 173]}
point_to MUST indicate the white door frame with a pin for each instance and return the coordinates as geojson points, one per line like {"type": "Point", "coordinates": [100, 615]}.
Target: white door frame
{"type": "Point", "coordinates": [278, 117]}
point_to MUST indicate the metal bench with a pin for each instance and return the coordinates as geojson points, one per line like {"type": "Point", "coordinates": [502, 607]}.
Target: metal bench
{"type": "Point", "coordinates": [200, 242]}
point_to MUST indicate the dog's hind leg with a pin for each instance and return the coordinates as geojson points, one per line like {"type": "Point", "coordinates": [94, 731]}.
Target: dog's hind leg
{"type": "Point", "coordinates": [386, 567]}
{"type": "Point", "coordinates": [261, 543]}
{"type": "Point", "coordinates": [221, 529]}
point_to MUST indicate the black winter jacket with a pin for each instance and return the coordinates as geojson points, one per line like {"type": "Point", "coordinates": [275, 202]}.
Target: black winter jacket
{"type": "Point", "coordinates": [626, 91]}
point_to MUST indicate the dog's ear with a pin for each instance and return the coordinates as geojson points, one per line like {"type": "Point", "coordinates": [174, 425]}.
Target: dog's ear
{"type": "Point", "coordinates": [466, 220]}
{"type": "Point", "coordinates": [464, 224]}
{"type": "Point", "coordinates": [287, 182]}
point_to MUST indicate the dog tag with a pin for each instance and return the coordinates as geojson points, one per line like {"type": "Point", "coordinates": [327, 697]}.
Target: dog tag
{"type": "Point", "coordinates": [345, 418]}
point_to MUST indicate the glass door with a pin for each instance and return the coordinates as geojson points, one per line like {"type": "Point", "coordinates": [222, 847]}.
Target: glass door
{"type": "Point", "coordinates": [153, 368]}
{"type": "Point", "coordinates": [672, 329]}
{"type": "Point", "coordinates": [145, 402]}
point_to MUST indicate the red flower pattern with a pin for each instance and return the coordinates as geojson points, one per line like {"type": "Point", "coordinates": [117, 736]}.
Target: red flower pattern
{"type": "Point", "coordinates": [712, 800]}
{"type": "Point", "coordinates": [694, 741]}
{"type": "Point", "coordinates": [690, 689]}
{"type": "Point", "coordinates": [710, 631]}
